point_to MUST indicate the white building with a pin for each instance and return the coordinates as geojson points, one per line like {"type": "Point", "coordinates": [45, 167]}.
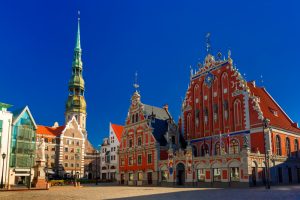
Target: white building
{"type": "Point", "coordinates": [5, 139]}
{"type": "Point", "coordinates": [109, 152]}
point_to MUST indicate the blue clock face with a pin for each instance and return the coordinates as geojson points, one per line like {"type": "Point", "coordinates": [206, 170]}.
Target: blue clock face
{"type": "Point", "coordinates": [209, 79]}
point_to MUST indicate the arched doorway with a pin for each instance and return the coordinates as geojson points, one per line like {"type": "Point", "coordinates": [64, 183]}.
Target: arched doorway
{"type": "Point", "coordinates": [254, 173]}
{"type": "Point", "coordinates": [90, 176]}
{"type": "Point", "coordinates": [180, 171]}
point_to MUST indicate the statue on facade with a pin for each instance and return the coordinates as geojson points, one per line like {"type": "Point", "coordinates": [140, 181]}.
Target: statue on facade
{"type": "Point", "coordinates": [41, 150]}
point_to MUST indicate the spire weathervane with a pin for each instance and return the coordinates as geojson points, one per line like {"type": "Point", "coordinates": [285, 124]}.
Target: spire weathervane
{"type": "Point", "coordinates": [136, 85]}
{"type": "Point", "coordinates": [208, 46]}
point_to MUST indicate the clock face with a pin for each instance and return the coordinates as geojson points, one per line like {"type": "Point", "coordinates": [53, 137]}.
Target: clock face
{"type": "Point", "coordinates": [209, 79]}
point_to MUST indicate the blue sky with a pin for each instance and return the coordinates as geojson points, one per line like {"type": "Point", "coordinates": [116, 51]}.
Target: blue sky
{"type": "Point", "coordinates": [158, 39]}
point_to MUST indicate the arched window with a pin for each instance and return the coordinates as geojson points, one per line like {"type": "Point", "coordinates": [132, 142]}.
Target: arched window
{"type": "Point", "coordinates": [188, 126]}
{"type": "Point", "coordinates": [296, 148]}
{"type": "Point", "coordinates": [132, 119]}
{"type": "Point", "coordinates": [204, 149]}
{"type": "Point", "coordinates": [217, 148]}
{"type": "Point", "coordinates": [288, 146]}
{"type": "Point", "coordinates": [195, 151]}
{"type": "Point", "coordinates": [234, 147]}
{"type": "Point", "coordinates": [278, 145]}
{"type": "Point", "coordinates": [237, 114]}
{"type": "Point", "coordinates": [136, 117]}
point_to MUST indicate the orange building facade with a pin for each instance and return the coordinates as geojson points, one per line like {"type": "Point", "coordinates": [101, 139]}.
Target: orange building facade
{"type": "Point", "coordinates": [143, 143]}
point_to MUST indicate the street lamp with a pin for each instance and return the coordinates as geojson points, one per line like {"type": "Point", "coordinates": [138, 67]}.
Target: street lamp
{"type": "Point", "coordinates": [266, 123]}
{"type": "Point", "coordinates": [3, 157]}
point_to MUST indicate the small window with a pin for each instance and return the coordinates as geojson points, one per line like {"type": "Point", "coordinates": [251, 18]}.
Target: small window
{"type": "Point", "coordinates": [139, 141]}
{"type": "Point", "coordinates": [139, 160]}
{"type": "Point", "coordinates": [149, 158]}
{"type": "Point", "coordinates": [130, 143]}
{"type": "Point", "coordinates": [130, 161]}
{"type": "Point", "coordinates": [66, 149]}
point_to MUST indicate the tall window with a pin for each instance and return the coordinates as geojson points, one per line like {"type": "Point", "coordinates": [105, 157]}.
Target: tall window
{"type": "Point", "coordinates": [237, 114]}
{"type": "Point", "coordinates": [130, 161]}
{"type": "Point", "coordinates": [234, 147]}
{"type": "Point", "coordinates": [130, 143]}
{"type": "Point", "coordinates": [225, 107]}
{"type": "Point", "coordinates": [217, 148]}
{"type": "Point", "coordinates": [149, 158]}
{"type": "Point", "coordinates": [188, 125]}
{"type": "Point", "coordinates": [139, 159]}
{"type": "Point", "coordinates": [215, 109]}
{"type": "Point", "coordinates": [136, 117]}
{"type": "Point", "coordinates": [288, 146]}
{"type": "Point", "coordinates": [296, 148]}
{"type": "Point", "coordinates": [278, 145]}
{"type": "Point", "coordinates": [139, 141]}
{"type": "Point", "coordinates": [204, 149]}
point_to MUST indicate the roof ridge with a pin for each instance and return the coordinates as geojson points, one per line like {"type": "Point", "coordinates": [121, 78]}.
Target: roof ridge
{"type": "Point", "coordinates": [269, 95]}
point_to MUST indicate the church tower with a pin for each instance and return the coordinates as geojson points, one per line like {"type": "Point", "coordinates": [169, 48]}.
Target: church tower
{"type": "Point", "coordinates": [76, 105]}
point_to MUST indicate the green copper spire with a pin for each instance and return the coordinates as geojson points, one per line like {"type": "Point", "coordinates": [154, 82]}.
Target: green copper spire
{"type": "Point", "coordinates": [78, 46]}
{"type": "Point", "coordinates": [76, 105]}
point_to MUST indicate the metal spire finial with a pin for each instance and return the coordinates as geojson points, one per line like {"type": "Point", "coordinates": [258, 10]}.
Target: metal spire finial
{"type": "Point", "coordinates": [208, 46]}
{"type": "Point", "coordinates": [136, 85]}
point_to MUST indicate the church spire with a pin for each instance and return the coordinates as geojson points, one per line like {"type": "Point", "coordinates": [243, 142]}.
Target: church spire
{"type": "Point", "coordinates": [76, 104]}
{"type": "Point", "coordinates": [78, 46]}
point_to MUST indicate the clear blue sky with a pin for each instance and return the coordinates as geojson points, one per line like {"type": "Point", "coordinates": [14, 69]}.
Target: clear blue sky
{"type": "Point", "coordinates": [159, 39]}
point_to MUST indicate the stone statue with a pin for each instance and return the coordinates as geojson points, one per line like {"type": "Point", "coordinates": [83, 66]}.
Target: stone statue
{"type": "Point", "coordinates": [41, 150]}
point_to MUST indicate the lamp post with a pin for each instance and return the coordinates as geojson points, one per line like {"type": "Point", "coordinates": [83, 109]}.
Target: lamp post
{"type": "Point", "coordinates": [97, 167]}
{"type": "Point", "coordinates": [3, 158]}
{"type": "Point", "coordinates": [267, 156]}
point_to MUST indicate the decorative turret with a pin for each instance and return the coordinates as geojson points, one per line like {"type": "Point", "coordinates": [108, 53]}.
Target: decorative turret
{"type": "Point", "coordinates": [76, 105]}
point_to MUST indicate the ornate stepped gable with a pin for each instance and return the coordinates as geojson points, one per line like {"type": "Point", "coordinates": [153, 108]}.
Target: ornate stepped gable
{"type": "Point", "coordinates": [220, 101]}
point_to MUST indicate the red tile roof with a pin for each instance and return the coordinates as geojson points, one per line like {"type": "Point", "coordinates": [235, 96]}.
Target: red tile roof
{"type": "Point", "coordinates": [46, 130]}
{"type": "Point", "coordinates": [118, 129]}
{"type": "Point", "coordinates": [271, 110]}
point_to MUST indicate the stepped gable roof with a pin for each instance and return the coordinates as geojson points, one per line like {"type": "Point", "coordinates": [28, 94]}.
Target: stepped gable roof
{"type": "Point", "coordinates": [118, 129]}
{"type": "Point", "coordinates": [272, 111]}
{"type": "Point", "coordinates": [51, 131]}
{"type": "Point", "coordinates": [159, 124]}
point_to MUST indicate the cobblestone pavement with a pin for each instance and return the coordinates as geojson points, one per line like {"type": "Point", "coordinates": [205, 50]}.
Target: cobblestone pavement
{"type": "Point", "coordinates": [157, 193]}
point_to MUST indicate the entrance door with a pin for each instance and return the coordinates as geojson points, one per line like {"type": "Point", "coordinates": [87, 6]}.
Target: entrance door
{"type": "Point", "coordinates": [149, 178]}
{"type": "Point", "coordinates": [180, 171]}
{"type": "Point", "coordinates": [290, 175]}
{"type": "Point", "coordinates": [122, 179]}
{"type": "Point", "coordinates": [254, 176]}
{"type": "Point", "coordinates": [279, 174]}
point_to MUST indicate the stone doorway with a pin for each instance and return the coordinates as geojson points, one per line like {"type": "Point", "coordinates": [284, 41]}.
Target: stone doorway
{"type": "Point", "coordinates": [180, 171]}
